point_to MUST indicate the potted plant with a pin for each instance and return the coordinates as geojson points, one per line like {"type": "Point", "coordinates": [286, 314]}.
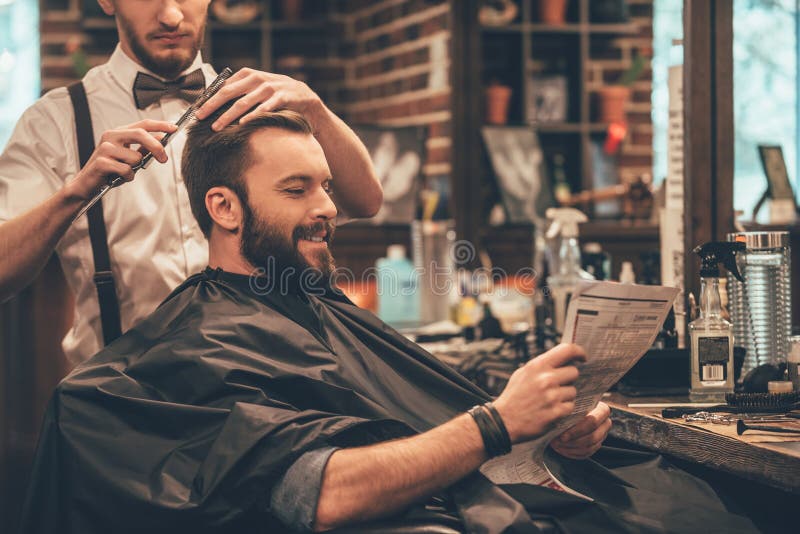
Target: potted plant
{"type": "Point", "coordinates": [553, 11]}
{"type": "Point", "coordinates": [498, 97]}
{"type": "Point", "coordinates": [613, 99]}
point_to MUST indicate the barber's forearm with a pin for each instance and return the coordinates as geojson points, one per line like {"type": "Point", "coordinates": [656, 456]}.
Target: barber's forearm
{"type": "Point", "coordinates": [27, 241]}
{"type": "Point", "coordinates": [358, 190]}
{"type": "Point", "coordinates": [375, 481]}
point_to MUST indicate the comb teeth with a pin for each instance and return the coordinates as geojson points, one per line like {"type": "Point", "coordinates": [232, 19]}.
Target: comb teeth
{"type": "Point", "coordinates": [215, 86]}
{"type": "Point", "coordinates": [763, 401]}
{"type": "Point", "coordinates": [210, 91]}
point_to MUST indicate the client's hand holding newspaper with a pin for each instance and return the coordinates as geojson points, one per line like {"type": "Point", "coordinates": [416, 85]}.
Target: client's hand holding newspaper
{"type": "Point", "coordinates": [609, 326]}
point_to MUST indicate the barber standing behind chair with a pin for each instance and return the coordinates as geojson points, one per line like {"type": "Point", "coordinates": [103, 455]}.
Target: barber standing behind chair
{"type": "Point", "coordinates": [145, 228]}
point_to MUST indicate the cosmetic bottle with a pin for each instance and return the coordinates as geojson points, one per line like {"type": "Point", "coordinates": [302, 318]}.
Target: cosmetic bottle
{"type": "Point", "coordinates": [562, 283]}
{"type": "Point", "coordinates": [710, 335]}
{"type": "Point", "coordinates": [398, 298]}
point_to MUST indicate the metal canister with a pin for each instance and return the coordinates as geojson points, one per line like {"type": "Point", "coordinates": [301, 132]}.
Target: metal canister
{"type": "Point", "coordinates": [761, 305]}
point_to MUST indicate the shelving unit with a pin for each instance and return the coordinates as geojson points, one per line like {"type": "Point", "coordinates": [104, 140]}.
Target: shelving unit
{"type": "Point", "coordinates": [260, 44]}
{"type": "Point", "coordinates": [525, 45]}
{"type": "Point", "coordinates": [512, 54]}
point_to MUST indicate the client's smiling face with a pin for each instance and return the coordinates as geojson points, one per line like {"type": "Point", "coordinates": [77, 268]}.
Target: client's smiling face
{"type": "Point", "coordinates": [289, 216]}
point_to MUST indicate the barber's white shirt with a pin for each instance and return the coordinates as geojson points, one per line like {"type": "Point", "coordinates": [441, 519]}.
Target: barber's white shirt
{"type": "Point", "coordinates": [154, 240]}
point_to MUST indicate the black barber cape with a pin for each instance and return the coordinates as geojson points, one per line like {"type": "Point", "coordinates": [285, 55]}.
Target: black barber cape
{"type": "Point", "coordinates": [185, 423]}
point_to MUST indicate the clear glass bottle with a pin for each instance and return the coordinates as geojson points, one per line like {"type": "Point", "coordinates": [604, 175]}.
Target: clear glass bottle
{"type": "Point", "coordinates": [711, 339]}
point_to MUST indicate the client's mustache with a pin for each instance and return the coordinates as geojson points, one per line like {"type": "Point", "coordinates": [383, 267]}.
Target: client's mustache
{"type": "Point", "coordinates": [307, 232]}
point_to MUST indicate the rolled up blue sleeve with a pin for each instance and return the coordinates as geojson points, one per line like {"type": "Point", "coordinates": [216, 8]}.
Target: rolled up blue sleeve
{"type": "Point", "coordinates": [294, 498]}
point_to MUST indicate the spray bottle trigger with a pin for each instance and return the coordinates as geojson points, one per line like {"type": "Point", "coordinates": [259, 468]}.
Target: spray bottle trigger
{"type": "Point", "coordinates": [730, 264]}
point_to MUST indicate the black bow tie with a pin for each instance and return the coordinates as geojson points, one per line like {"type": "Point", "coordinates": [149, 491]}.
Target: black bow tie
{"type": "Point", "coordinates": [148, 89]}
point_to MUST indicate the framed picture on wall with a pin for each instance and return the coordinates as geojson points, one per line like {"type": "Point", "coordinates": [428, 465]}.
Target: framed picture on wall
{"type": "Point", "coordinates": [520, 169]}
{"type": "Point", "coordinates": [547, 99]}
{"type": "Point", "coordinates": [397, 155]}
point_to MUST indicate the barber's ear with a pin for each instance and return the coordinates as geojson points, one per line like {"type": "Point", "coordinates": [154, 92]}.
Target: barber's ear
{"type": "Point", "coordinates": [224, 207]}
{"type": "Point", "coordinates": [107, 6]}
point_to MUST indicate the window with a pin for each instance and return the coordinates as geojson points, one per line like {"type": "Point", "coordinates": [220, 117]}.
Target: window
{"type": "Point", "coordinates": [764, 93]}
{"type": "Point", "coordinates": [19, 61]}
{"type": "Point", "coordinates": [667, 28]}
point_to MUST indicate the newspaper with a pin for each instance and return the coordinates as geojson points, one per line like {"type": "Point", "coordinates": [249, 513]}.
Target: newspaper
{"type": "Point", "coordinates": [615, 324]}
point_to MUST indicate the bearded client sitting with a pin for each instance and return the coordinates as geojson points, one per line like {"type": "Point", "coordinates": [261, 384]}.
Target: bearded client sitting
{"type": "Point", "coordinates": [258, 398]}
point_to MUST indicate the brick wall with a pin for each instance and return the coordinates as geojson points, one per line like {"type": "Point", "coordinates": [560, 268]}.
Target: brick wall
{"type": "Point", "coordinates": [60, 23]}
{"type": "Point", "coordinates": [385, 62]}
{"type": "Point", "coordinates": [399, 70]}
{"type": "Point", "coordinates": [612, 56]}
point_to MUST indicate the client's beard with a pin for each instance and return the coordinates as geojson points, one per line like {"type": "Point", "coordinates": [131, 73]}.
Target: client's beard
{"type": "Point", "coordinates": [264, 246]}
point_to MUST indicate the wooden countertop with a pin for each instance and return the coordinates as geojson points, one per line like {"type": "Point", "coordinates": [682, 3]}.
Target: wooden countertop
{"type": "Point", "coordinates": [773, 464]}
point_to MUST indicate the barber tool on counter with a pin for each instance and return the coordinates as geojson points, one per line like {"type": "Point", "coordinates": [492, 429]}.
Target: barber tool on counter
{"type": "Point", "coordinates": [569, 273]}
{"type": "Point", "coordinates": [760, 301]}
{"type": "Point", "coordinates": [185, 119]}
{"type": "Point", "coordinates": [711, 336]}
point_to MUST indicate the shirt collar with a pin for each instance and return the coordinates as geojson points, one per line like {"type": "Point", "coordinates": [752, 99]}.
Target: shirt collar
{"type": "Point", "coordinates": [124, 69]}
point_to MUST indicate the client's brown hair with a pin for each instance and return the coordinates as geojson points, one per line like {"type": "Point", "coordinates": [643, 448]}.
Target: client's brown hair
{"type": "Point", "coordinates": [219, 159]}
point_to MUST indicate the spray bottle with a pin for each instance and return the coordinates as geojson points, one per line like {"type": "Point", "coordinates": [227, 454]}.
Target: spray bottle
{"type": "Point", "coordinates": [562, 283]}
{"type": "Point", "coordinates": [711, 336]}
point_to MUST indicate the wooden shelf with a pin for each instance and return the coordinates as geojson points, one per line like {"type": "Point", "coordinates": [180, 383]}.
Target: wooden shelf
{"type": "Point", "coordinates": [217, 25]}
{"type": "Point", "coordinates": [569, 127]}
{"type": "Point", "coordinates": [624, 28]}
{"type": "Point", "coordinates": [303, 25]}
{"type": "Point", "coordinates": [559, 127]}
{"type": "Point", "coordinates": [99, 23]}
{"type": "Point", "coordinates": [568, 28]}
{"type": "Point", "coordinates": [597, 127]}
{"type": "Point", "coordinates": [534, 28]}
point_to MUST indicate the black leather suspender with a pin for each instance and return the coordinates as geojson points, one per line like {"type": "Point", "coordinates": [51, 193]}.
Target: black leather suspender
{"type": "Point", "coordinates": [103, 277]}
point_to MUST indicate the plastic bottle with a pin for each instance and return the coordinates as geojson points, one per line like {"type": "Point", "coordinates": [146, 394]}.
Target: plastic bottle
{"type": "Point", "coordinates": [398, 299]}
{"type": "Point", "coordinates": [562, 283]}
{"type": "Point", "coordinates": [626, 274]}
{"type": "Point", "coordinates": [710, 335]}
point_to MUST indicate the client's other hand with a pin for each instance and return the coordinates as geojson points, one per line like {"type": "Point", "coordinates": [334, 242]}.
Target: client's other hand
{"type": "Point", "coordinates": [582, 440]}
{"type": "Point", "coordinates": [540, 393]}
